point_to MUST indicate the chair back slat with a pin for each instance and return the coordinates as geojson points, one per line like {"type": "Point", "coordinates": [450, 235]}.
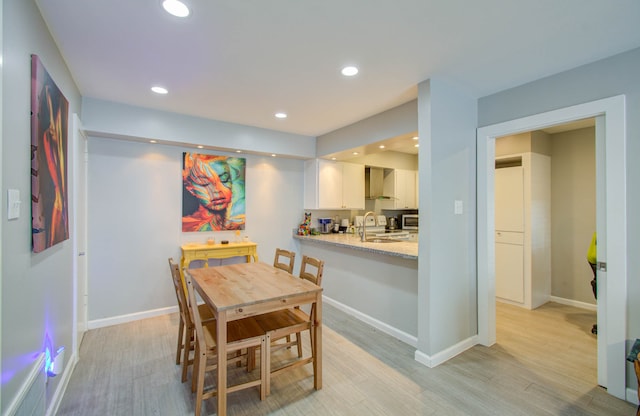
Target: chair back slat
{"type": "Point", "coordinates": [284, 260]}
{"type": "Point", "coordinates": [307, 270]}
{"type": "Point", "coordinates": [180, 295]}
{"type": "Point", "coordinates": [192, 305]}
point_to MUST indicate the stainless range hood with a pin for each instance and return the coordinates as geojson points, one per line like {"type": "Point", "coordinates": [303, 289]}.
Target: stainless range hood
{"type": "Point", "coordinates": [374, 183]}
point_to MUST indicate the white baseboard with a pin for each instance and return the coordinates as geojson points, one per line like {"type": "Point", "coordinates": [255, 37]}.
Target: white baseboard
{"type": "Point", "coordinates": [442, 356]}
{"type": "Point", "coordinates": [34, 374]}
{"type": "Point", "coordinates": [100, 323]}
{"type": "Point", "coordinates": [632, 396]}
{"type": "Point", "coordinates": [386, 328]}
{"type": "Point", "coordinates": [62, 386]}
{"type": "Point", "coordinates": [571, 302]}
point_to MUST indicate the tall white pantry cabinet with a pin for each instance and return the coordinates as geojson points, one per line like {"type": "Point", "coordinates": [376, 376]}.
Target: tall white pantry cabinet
{"type": "Point", "coordinates": [523, 229]}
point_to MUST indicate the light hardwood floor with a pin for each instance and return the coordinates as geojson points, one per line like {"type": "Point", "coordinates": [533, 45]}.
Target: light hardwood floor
{"type": "Point", "coordinates": [544, 363]}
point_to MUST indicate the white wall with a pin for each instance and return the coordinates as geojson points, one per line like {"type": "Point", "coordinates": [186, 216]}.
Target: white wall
{"type": "Point", "coordinates": [447, 262]}
{"type": "Point", "coordinates": [602, 79]}
{"type": "Point", "coordinates": [36, 288]}
{"type": "Point", "coordinates": [389, 282]}
{"type": "Point", "coordinates": [1, 173]}
{"type": "Point", "coordinates": [109, 119]}
{"type": "Point", "coordinates": [447, 119]}
{"type": "Point", "coordinates": [391, 123]}
{"type": "Point", "coordinates": [390, 159]}
{"type": "Point", "coordinates": [134, 216]}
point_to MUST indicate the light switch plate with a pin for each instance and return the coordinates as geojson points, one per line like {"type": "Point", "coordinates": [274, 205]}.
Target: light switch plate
{"type": "Point", "coordinates": [457, 207]}
{"type": "Point", "coordinates": [13, 204]}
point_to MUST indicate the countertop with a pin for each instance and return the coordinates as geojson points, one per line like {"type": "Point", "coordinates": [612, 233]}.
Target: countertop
{"type": "Point", "coordinates": [404, 249]}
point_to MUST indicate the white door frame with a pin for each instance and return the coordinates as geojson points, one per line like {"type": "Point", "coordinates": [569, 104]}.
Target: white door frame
{"type": "Point", "coordinates": [612, 307]}
{"type": "Point", "coordinates": [79, 155]}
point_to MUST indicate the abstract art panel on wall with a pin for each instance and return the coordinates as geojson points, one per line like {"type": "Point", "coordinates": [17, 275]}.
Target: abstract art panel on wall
{"type": "Point", "coordinates": [213, 197]}
{"type": "Point", "coordinates": [49, 186]}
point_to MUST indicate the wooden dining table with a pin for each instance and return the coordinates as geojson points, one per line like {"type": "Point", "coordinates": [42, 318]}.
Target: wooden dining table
{"type": "Point", "coordinates": [241, 290]}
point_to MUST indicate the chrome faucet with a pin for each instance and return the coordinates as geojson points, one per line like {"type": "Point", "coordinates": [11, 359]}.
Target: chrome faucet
{"type": "Point", "coordinates": [364, 225]}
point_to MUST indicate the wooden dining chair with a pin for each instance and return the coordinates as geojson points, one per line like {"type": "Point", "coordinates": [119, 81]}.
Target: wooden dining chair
{"type": "Point", "coordinates": [284, 260]}
{"type": "Point", "coordinates": [186, 334]}
{"type": "Point", "coordinates": [283, 323]}
{"type": "Point", "coordinates": [243, 334]}
{"type": "Point", "coordinates": [311, 270]}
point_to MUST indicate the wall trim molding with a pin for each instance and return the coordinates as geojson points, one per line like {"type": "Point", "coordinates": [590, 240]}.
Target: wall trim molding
{"type": "Point", "coordinates": [36, 369]}
{"type": "Point", "coordinates": [386, 328]}
{"type": "Point", "coordinates": [576, 303]}
{"type": "Point", "coordinates": [446, 354]}
{"type": "Point", "coordinates": [62, 386]}
{"type": "Point", "coordinates": [121, 319]}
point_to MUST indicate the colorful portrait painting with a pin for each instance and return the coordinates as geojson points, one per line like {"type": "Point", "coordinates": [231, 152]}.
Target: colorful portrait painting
{"type": "Point", "coordinates": [49, 186]}
{"type": "Point", "coordinates": [213, 192]}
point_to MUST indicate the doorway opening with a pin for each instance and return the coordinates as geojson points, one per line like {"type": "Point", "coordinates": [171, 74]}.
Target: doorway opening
{"type": "Point", "coordinates": [611, 227]}
{"type": "Point", "coordinates": [545, 217]}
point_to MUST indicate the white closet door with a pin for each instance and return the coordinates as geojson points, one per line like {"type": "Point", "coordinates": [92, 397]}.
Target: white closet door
{"type": "Point", "coordinates": [509, 266]}
{"type": "Point", "coordinates": [509, 193]}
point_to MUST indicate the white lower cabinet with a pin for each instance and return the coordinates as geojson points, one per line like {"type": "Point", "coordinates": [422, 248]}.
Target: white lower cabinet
{"type": "Point", "coordinates": [510, 266]}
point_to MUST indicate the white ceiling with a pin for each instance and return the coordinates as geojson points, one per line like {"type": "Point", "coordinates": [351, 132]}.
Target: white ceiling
{"type": "Point", "coordinates": [244, 60]}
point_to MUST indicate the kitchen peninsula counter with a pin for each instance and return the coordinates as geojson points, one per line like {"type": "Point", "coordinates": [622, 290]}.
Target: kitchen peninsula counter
{"type": "Point", "coordinates": [374, 282]}
{"type": "Point", "coordinates": [404, 249]}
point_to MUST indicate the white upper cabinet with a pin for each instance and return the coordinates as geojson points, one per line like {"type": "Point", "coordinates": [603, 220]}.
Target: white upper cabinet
{"type": "Point", "coordinates": [509, 202]}
{"type": "Point", "coordinates": [353, 185]}
{"type": "Point", "coordinates": [333, 185]}
{"type": "Point", "coordinates": [406, 189]}
{"type": "Point", "coordinates": [401, 185]}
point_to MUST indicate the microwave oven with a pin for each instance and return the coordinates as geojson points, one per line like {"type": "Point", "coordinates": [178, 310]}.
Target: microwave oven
{"type": "Point", "coordinates": [409, 221]}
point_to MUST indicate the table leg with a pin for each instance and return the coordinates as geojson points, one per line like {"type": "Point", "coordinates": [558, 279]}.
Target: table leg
{"type": "Point", "coordinates": [317, 344]}
{"type": "Point", "coordinates": [265, 366]}
{"type": "Point", "coordinates": [221, 331]}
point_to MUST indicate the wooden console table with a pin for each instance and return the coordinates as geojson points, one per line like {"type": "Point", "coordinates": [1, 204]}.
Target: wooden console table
{"type": "Point", "coordinates": [196, 251]}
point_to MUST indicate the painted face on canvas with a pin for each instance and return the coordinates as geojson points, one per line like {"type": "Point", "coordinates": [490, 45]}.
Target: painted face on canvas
{"type": "Point", "coordinates": [210, 182]}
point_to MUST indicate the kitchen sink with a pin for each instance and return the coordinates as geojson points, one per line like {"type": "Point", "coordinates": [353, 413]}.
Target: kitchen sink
{"type": "Point", "coordinates": [383, 240]}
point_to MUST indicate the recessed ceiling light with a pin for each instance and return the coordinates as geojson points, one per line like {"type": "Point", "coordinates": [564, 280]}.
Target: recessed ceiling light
{"type": "Point", "coordinates": [200, 146]}
{"type": "Point", "coordinates": [176, 8]}
{"type": "Point", "coordinates": [355, 153]}
{"type": "Point", "coordinates": [416, 145]}
{"type": "Point", "coordinates": [273, 155]}
{"type": "Point", "coordinates": [333, 158]}
{"type": "Point", "coordinates": [281, 115]}
{"type": "Point", "coordinates": [349, 71]}
{"type": "Point", "coordinates": [381, 146]}
{"type": "Point", "coordinates": [153, 141]}
{"type": "Point", "coordinates": [415, 137]}
{"type": "Point", "coordinates": [238, 151]}
{"type": "Point", "coordinates": [159, 90]}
